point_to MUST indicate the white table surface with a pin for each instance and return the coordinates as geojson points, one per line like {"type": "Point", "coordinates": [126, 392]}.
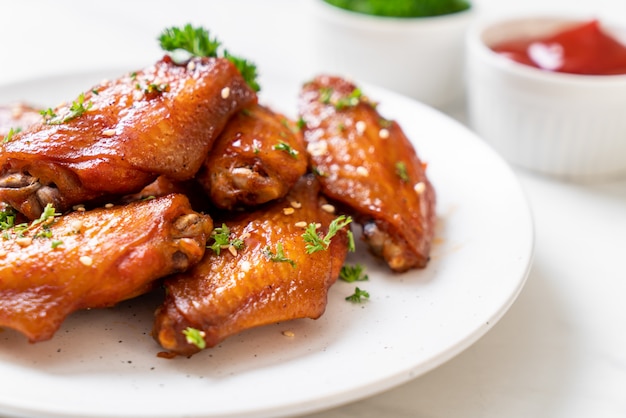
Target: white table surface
{"type": "Point", "coordinates": [559, 352]}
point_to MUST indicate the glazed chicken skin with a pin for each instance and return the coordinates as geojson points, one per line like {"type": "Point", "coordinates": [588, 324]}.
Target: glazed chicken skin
{"type": "Point", "coordinates": [119, 136]}
{"type": "Point", "coordinates": [269, 279]}
{"type": "Point", "coordinates": [367, 165]}
{"type": "Point", "coordinates": [94, 259]}
{"type": "Point", "coordinates": [258, 157]}
{"type": "Point", "coordinates": [16, 117]}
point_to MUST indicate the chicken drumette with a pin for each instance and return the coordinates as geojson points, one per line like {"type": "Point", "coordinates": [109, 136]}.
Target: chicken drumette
{"type": "Point", "coordinates": [368, 165]}
{"type": "Point", "coordinates": [261, 274]}
{"type": "Point", "coordinates": [119, 136]}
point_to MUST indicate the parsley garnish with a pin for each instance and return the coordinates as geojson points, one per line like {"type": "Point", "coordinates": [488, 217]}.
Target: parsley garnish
{"type": "Point", "coordinates": [279, 256]}
{"type": "Point", "coordinates": [56, 243]}
{"type": "Point", "coordinates": [350, 100]}
{"type": "Point", "coordinates": [358, 295]}
{"type": "Point", "coordinates": [77, 108]}
{"type": "Point", "coordinates": [48, 212]}
{"type": "Point", "coordinates": [401, 171]}
{"type": "Point", "coordinates": [326, 93]}
{"type": "Point", "coordinates": [10, 134]}
{"type": "Point", "coordinates": [197, 42]}
{"type": "Point", "coordinates": [156, 88]}
{"type": "Point", "coordinates": [7, 218]}
{"type": "Point", "coordinates": [317, 243]}
{"type": "Point", "coordinates": [221, 237]}
{"type": "Point", "coordinates": [283, 146]}
{"type": "Point", "coordinates": [195, 336]}
{"type": "Point", "coordinates": [353, 273]}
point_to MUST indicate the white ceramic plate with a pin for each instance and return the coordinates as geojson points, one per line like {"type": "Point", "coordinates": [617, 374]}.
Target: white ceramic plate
{"type": "Point", "coordinates": [103, 363]}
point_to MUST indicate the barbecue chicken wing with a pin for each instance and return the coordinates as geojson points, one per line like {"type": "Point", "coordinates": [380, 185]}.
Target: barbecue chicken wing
{"type": "Point", "coordinates": [117, 137]}
{"type": "Point", "coordinates": [15, 118]}
{"type": "Point", "coordinates": [367, 164]}
{"type": "Point", "coordinates": [257, 158]}
{"type": "Point", "coordinates": [93, 259]}
{"type": "Point", "coordinates": [270, 278]}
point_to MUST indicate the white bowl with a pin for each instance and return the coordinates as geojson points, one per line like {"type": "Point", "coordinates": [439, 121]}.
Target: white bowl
{"type": "Point", "coordinates": [418, 57]}
{"type": "Point", "coordinates": [566, 125]}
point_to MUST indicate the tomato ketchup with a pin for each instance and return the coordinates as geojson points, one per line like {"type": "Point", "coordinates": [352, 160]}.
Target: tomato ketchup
{"type": "Point", "coordinates": [582, 49]}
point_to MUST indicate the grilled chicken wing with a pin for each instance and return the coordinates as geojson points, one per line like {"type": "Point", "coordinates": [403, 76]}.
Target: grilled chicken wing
{"type": "Point", "coordinates": [270, 279]}
{"type": "Point", "coordinates": [367, 164]}
{"type": "Point", "coordinates": [94, 259]}
{"type": "Point", "coordinates": [16, 117]}
{"type": "Point", "coordinates": [257, 158]}
{"type": "Point", "coordinates": [117, 137]}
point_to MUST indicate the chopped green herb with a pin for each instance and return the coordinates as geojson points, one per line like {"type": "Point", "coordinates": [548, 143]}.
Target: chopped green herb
{"type": "Point", "coordinates": [247, 69]}
{"type": "Point", "coordinates": [7, 218]}
{"type": "Point", "coordinates": [195, 336]}
{"type": "Point", "coordinates": [48, 212]}
{"type": "Point", "coordinates": [221, 237]}
{"type": "Point", "coordinates": [195, 40]}
{"type": "Point", "coordinates": [279, 256]}
{"type": "Point", "coordinates": [353, 273]}
{"type": "Point", "coordinates": [198, 42]}
{"type": "Point", "coordinates": [301, 123]}
{"type": "Point", "coordinates": [283, 146]}
{"type": "Point", "coordinates": [357, 296]}
{"type": "Point", "coordinates": [317, 243]}
{"type": "Point", "coordinates": [56, 243]}
{"type": "Point", "coordinates": [156, 88]}
{"type": "Point", "coordinates": [77, 108]}
{"type": "Point", "coordinates": [10, 134]}
{"type": "Point", "coordinates": [401, 171]}
{"type": "Point", "coordinates": [350, 100]}
{"type": "Point", "coordinates": [326, 93]}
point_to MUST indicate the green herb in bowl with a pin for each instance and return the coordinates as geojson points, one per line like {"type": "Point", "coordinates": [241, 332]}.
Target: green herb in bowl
{"type": "Point", "coordinates": [402, 8]}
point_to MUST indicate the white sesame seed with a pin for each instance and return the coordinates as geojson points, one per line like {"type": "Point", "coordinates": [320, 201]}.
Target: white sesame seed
{"type": "Point", "coordinates": [76, 226]}
{"type": "Point", "coordinates": [232, 250]}
{"type": "Point", "coordinates": [383, 133]}
{"type": "Point", "coordinates": [317, 149]}
{"type": "Point", "coordinates": [24, 241]}
{"type": "Point", "coordinates": [419, 187]}
{"type": "Point", "coordinates": [362, 171]}
{"type": "Point", "coordinates": [360, 127]}
{"type": "Point", "coordinates": [295, 204]}
{"type": "Point", "coordinates": [78, 207]}
{"type": "Point", "coordinates": [288, 211]}
{"type": "Point", "coordinates": [191, 65]}
{"type": "Point", "coordinates": [108, 132]}
{"type": "Point", "coordinates": [328, 208]}
{"type": "Point", "coordinates": [225, 92]}
{"type": "Point", "coordinates": [109, 205]}
{"type": "Point", "coordinates": [86, 260]}
{"type": "Point", "coordinates": [289, 334]}
{"type": "Point", "coordinates": [318, 225]}
{"type": "Point", "coordinates": [301, 224]}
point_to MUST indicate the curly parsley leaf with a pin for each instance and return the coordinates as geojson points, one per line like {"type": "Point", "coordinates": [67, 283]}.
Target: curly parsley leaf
{"type": "Point", "coordinates": [221, 240]}
{"type": "Point", "coordinates": [353, 273]}
{"type": "Point", "coordinates": [278, 256]}
{"type": "Point", "coordinates": [315, 242]}
{"type": "Point", "coordinates": [358, 296]}
{"type": "Point", "coordinates": [197, 42]}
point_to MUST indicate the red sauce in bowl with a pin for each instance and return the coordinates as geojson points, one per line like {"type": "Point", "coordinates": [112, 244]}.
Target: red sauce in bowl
{"type": "Point", "coordinates": [582, 49]}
